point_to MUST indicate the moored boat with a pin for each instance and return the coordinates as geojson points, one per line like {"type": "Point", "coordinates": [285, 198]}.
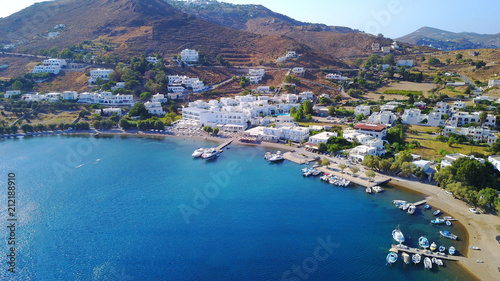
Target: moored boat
{"type": "Point", "coordinates": [442, 249]}
{"type": "Point", "coordinates": [392, 258]}
{"type": "Point", "coordinates": [406, 257]}
{"type": "Point", "coordinates": [437, 212]}
{"type": "Point", "coordinates": [427, 263]}
{"type": "Point", "coordinates": [368, 190]}
{"type": "Point", "coordinates": [434, 260]}
{"type": "Point", "coordinates": [448, 235]}
{"type": "Point", "coordinates": [447, 218]}
{"type": "Point", "coordinates": [439, 262]}
{"type": "Point", "coordinates": [427, 207]}
{"type": "Point", "coordinates": [377, 189]}
{"type": "Point", "coordinates": [198, 152]}
{"type": "Point", "coordinates": [448, 223]}
{"type": "Point", "coordinates": [433, 246]}
{"type": "Point", "coordinates": [406, 206]}
{"type": "Point", "coordinates": [437, 221]}
{"type": "Point", "coordinates": [451, 250]}
{"type": "Point", "coordinates": [473, 248]}
{"type": "Point", "coordinates": [398, 236]}
{"type": "Point", "coordinates": [423, 242]}
{"type": "Point", "coordinates": [416, 258]}
{"type": "Point", "coordinates": [411, 209]}
{"type": "Point", "coordinates": [275, 158]}
{"type": "Point", "coordinates": [210, 154]}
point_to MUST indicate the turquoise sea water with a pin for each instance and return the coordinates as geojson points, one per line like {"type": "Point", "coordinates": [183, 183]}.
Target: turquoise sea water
{"type": "Point", "coordinates": [142, 209]}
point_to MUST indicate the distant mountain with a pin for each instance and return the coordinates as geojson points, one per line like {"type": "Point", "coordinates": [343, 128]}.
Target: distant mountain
{"type": "Point", "coordinates": [135, 27]}
{"type": "Point", "coordinates": [448, 41]}
{"type": "Point", "coordinates": [333, 40]}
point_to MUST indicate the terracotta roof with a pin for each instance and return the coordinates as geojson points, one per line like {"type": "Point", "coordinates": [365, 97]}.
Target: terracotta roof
{"type": "Point", "coordinates": [369, 127]}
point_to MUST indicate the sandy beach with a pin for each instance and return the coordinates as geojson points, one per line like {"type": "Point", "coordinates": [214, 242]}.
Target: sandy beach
{"type": "Point", "coordinates": [481, 228]}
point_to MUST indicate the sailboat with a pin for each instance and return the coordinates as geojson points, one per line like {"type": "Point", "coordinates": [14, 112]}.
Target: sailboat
{"type": "Point", "coordinates": [398, 236]}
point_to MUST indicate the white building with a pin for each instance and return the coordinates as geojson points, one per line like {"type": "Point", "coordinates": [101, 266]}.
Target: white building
{"type": "Point", "coordinates": [34, 97]}
{"type": "Point", "coordinates": [159, 98]}
{"type": "Point", "coordinates": [461, 118]}
{"type": "Point", "coordinates": [478, 134]}
{"type": "Point", "coordinates": [106, 98]}
{"type": "Point", "coordinates": [119, 85]}
{"type": "Point", "coordinates": [176, 89]}
{"type": "Point", "coordinates": [99, 73]}
{"type": "Point", "coordinates": [434, 119]}
{"type": "Point", "coordinates": [442, 107]}
{"type": "Point", "coordinates": [450, 158]}
{"type": "Point", "coordinates": [493, 83]}
{"type": "Point", "coordinates": [458, 105]}
{"type": "Point", "coordinates": [495, 160]}
{"type": "Point", "coordinates": [152, 60]}
{"type": "Point", "coordinates": [54, 34]}
{"type": "Point", "coordinates": [420, 104]}
{"type": "Point", "coordinates": [386, 118]}
{"type": "Point", "coordinates": [154, 108]}
{"type": "Point", "coordinates": [362, 109]}
{"type": "Point", "coordinates": [9, 94]}
{"type": "Point", "coordinates": [373, 147]}
{"type": "Point", "coordinates": [306, 96]}
{"type": "Point", "coordinates": [376, 47]}
{"type": "Point", "coordinates": [263, 89]}
{"type": "Point", "coordinates": [190, 56]}
{"type": "Point", "coordinates": [205, 116]}
{"type": "Point", "coordinates": [291, 55]}
{"type": "Point", "coordinates": [407, 63]}
{"type": "Point", "coordinates": [69, 95]}
{"type": "Point", "coordinates": [335, 77]}
{"type": "Point", "coordinates": [412, 117]}
{"type": "Point", "coordinates": [374, 130]}
{"type": "Point", "coordinates": [395, 45]}
{"type": "Point", "coordinates": [298, 71]}
{"type": "Point", "coordinates": [290, 98]}
{"type": "Point", "coordinates": [52, 97]}
{"type": "Point", "coordinates": [109, 111]}
{"type": "Point", "coordinates": [50, 66]}
{"type": "Point", "coordinates": [386, 50]}
{"type": "Point", "coordinates": [321, 138]}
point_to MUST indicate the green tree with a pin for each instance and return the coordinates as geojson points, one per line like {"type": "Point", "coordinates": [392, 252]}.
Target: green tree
{"type": "Point", "coordinates": [322, 147]}
{"type": "Point", "coordinates": [482, 117]}
{"type": "Point", "coordinates": [459, 56]}
{"type": "Point", "coordinates": [360, 117]}
{"type": "Point", "coordinates": [355, 93]}
{"type": "Point", "coordinates": [354, 170]}
{"type": "Point", "coordinates": [215, 131]}
{"type": "Point", "coordinates": [407, 168]}
{"type": "Point", "coordinates": [433, 61]}
{"type": "Point", "coordinates": [342, 167]}
{"type": "Point", "coordinates": [146, 96]}
{"type": "Point", "coordinates": [293, 110]}
{"type": "Point", "coordinates": [384, 165]}
{"type": "Point", "coordinates": [370, 174]}
{"type": "Point", "coordinates": [325, 162]}
{"type": "Point", "coordinates": [479, 64]}
{"type": "Point", "coordinates": [473, 197]}
{"type": "Point", "coordinates": [331, 112]}
{"type": "Point", "coordinates": [139, 109]}
{"type": "Point", "coordinates": [18, 85]}
{"type": "Point", "coordinates": [389, 59]}
{"type": "Point", "coordinates": [487, 198]}
{"type": "Point", "coordinates": [337, 98]}
{"type": "Point", "coordinates": [308, 107]}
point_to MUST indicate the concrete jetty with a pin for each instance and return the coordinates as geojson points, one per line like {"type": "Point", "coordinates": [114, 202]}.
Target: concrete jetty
{"type": "Point", "coordinates": [427, 253]}
{"type": "Point", "coordinates": [360, 180]}
{"type": "Point", "coordinates": [222, 146]}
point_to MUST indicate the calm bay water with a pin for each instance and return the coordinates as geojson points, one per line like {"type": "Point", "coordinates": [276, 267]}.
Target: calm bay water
{"type": "Point", "coordinates": [141, 209]}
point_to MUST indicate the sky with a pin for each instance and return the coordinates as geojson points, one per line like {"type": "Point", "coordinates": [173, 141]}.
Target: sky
{"type": "Point", "coordinates": [392, 18]}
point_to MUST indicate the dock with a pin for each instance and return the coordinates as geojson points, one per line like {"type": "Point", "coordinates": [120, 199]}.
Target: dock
{"type": "Point", "coordinates": [222, 146]}
{"type": "Point", "coordinates": [359, 179]}
{"type": "Point", "coordinates": [427, 253]}
{"type": "Point", "coordinates": [419, 203]}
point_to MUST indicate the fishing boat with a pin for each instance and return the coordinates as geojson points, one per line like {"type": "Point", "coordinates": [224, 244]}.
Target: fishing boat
{"type": "Point", "coordinates": [316, 173]}
{"type": "Point", "coordinates": [437, 212]}
{"type": "Point", "coordinates": [427, 263]}
{"type": "Point", "coordinates": [210, 154]}
{"type": "Point", "coordinates": [448, 235]}
{"type": "Point", "coordinates": [198, 152]}
{"type": "Point", "coordinates": [437, 221]}
{"type": "Point", "coordinates": [392, 258]}
{"type": "Point", "coordinates": [442, 249]}
{"type": "Point", "coordinates": [433, 246]}
{"type": "Point", "coordinates": [423, 242]}
{"type": "Point", "coordinates": [377, 189]}
{"type": "Point", "coordinates": [448, 223]}
{"type": "Point", "coordinates": [439, 262]}
{"type": "Point", "coordinates": [406, 257]}
{"type": "Point", "coordinates": [451, 250]}
{"type": "Point", "coordinates": [427, 207]}
{"type": "Point", "coordinates": [416, 258]}
{"type": "Point", "coordinates": [411, 209]}
{"type": "Point", "coordinates": [398, 236]}
{"type": "Point", "coordinates": [473, 248]}
{"type": "Point", "coordinates": [368, 190]}
{"type": "Point", "coordinates": [398, 202]}
{"type": "Point", "coordinates": [447, 218]}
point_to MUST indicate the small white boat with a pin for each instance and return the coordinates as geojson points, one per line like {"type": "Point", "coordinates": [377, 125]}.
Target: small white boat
{"type": "Point", "coordinates": [437, 212]}
{"type": "Point", "coordinates": [316, 173]}
{"type": "Point", "coordinates": [423, 242]}
{"type": "Point", "coordinates": [210, 154]}
{"type": "Point", "coordinates": [377, 189]}
{"type": "Point", "coordinates": [368, 190]}
{"type": "Point", "coordinates": [392, 258]}
{"type": "Point", "coordinates": [411, 209]}
{"type": "Point", "coordinates": [448, 223]}
{"type": "Point", "coordinates": [406, 206]}
{"type": "Point", "coordinates": [442, 249]}
{"type": "Point", "coordinates": [398, 202]}
{"type": "Point", "coordinates": [473, 248]}
{"type": "Point", "coordinates": [427, 263]}
{"type": "Point", "coordinates": [433, 246]}
{"type": "Point", "coordinates": [447, 218]}
{"type": "Point", "coordinates": [275, 158]}
{"type": "Point", "coordinates": [398, 236]}
{"type": "Point", "coordinates": [439, 262]}
{"type": "Point", "coordinates": [406, 257]}
{"type": "Point", "coordinates": [198, 152]}
{"type": "Point", "coordinates": [451, 250]}
{"type": "Point", "coordinates": [416, 258]}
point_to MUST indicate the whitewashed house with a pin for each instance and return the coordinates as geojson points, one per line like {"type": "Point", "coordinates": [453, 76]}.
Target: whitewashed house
{"type": "Point", "coordinates": [374, 130]}
{"type": "Point", "coordinates": [386, 118]}
{"type": "Point", "coordinates": [69, 95]}
{"type": "Point", "coordinates": [306, 96]}
{"type": "Point", "coordinates": [362, 109]}
{"type": "Point", "coordinates": [461, 118]}
{"type": "Point", "coordinates": [53, 97]}
{"type": "Point", "coordinates": [159, 98]}
{"type": "Point", "coordinates": [9, 94]}
{"type": "Point", "coordinates": [152, 60]}
{"type": "Point", "coordinates": [298, 71]}
{"type": "Point", "coordinates": [375, 47]}
{"type": "Point", "coordinates": [478, 134]}
{"type": "Point", "coordinates": [406, 63]}
{"type": "Point", "coordinates": [323, 137]}
{"type": "Point", "coordinates": [450, 158]}
{"type": "Point", "coordinates": [155, 108]}
{"type": "Point", "coordinates": [442, 107]}
{"type": "Point", "coordinates": [99, 73]}
{"type": "Point", "coordinates": [109, 111]}
{"type": "Point", "coordinates": [412, 117]}
{"type": "Point", "coordinates": [335, 77]}
{"type": "Point", "coordinates": [493, 83]}
{"type": "Point", "coordinates": [263, 89]}
{"type": "Point", "coordinates": [291, 55]}
{"type": "Point", "coordinates": [190, 56]}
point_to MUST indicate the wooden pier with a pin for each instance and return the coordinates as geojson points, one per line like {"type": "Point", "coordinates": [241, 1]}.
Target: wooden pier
{"type": "Point", "coordinates": [427, 253]}
{"type": "Point", "coordinates": [222, 146]}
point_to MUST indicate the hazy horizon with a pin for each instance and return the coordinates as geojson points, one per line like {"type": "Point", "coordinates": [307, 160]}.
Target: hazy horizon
{"type": "Point", "coordinates": [393, 18]}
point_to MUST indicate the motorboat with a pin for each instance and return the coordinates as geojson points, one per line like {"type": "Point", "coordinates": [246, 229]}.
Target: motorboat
{"type": "Point", "coordinates": [439, 262]}
{"type": "Point", "coordinates": [392, 258]}
{"type": "Point", "coordinates": [406, 206]}
{"type": "Point", "coordinates": [473, 248]}
{"type": "Point", "coordinates": [448, 223]}
{"type": "Point", "coordinates": [411, 209]}
{"type": "Point", "coordinates": [451, 250]}
{"type": "Point", "coordinates": [433, 246]}
{"type": "Point", "coordinates": [427, 263]}
{"type": "Point", "coordinates": [406, 257]}
{"type": "Point", "coordinates": [275, 158]}
{"type": "Point", "coordinates": [427, 207]}
{"type": "Point", "coordinates": [316, 173]}
{"type": "Point", "coordinates": [377, 189]}
{"type": "Point", "coordinates": [434, 260]}
{"type": "Point", "coordinates": [447, 218]}
{"type": "Point", "coordinates": [398, 236]}
{"type": "Point", "coordinates": [448, 235]}
{"type": "Point", "coordinates": [437, 221]}
{"type": "Point", "coordinates": [210, 154]}
{"type": "Point", "coordinates": [398, 202]}
{"type": "Point", "coordinates": [442, 249]}
{"type": "Point", "coordinates": [198, 152]}
{"type": "Point", "coordinates": [368, 190]}
{"type": "Point", "coordinates": [416, 258]}
{"type": "Point", "coordinates": [437, 212]}
{"type": "Point", "coordinates": [423, 242]}
{"type": "Point", "coordinates": [307, 173]}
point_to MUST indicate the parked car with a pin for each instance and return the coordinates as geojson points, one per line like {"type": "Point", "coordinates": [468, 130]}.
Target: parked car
{"type": "Point", "coordinates": [473, 210]}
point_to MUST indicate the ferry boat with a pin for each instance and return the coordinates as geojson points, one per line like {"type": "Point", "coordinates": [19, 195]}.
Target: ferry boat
{"type": "Point", "coordinates": [411, 209]}
{"type": "Point", "coordinates": [392, 258]}
{"type": "Point", "coordinates": [398, 236]}
{"type": "Point", "coordinates": [198, 152]}
{"type": "Point", "coordinates": [427, 263]}
{"type": "Point", "coordinates": [210, 154]}
{"type": "Point", "coordinates": [423, 242]}
{"type": "Point", "coordinates": [448, 235]}
{"type": "Point", "coordinates": [416, 258]}
{"type": "Point", "coordinates": [451, 250]}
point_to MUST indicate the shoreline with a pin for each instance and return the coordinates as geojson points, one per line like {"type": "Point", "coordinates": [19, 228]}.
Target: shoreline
{"type": "Point", "coordinates": [479, 229]}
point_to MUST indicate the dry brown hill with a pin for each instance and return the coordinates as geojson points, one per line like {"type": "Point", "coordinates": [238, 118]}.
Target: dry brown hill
{"type": "Point", "coordinates": [136, 27]}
